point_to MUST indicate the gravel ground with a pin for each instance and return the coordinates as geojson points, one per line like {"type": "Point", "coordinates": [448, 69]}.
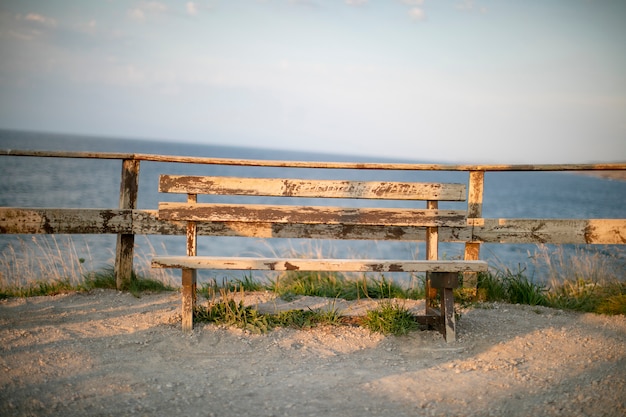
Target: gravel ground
{"type": "Point", "coordinates": [107, 353]}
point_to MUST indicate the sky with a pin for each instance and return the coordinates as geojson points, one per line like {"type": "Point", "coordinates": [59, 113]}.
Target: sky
{"type": "Point", "coordinates": [463, 81]}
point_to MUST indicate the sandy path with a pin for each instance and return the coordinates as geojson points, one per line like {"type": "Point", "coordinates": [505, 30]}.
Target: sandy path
{"type": "Point", "coordinates": [108, 353]}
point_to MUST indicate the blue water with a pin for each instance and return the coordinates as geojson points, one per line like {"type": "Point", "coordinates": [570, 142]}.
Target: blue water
{"type": "Point", "coordinates": [59, 182]}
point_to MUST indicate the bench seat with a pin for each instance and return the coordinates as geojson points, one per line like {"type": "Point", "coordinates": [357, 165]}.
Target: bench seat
{"type": "Point", "coordinates": [326, 265]}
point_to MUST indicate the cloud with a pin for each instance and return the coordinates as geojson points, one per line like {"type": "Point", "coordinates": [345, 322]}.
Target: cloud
{"type": "Point", "coordinates": [136, 14]}
{"type": "Point", "coordinates": [89, 26]}
{"type": "Point", "coordinates": [26, 27]}
{"type": "Point", "coordinates": [417, 13]}
{"type": "Point", "coordinates": [470, 6]}
{"type": "Point", "coordinates": [355, 2]}
{"type": "Point", "coordinates": [192, 8]}
{"type": "Point", "coordinates": [465, 5]}
{"type": "Point", "coordinates": [154, 6]}
{"type": "Point", "coordinates": [145, 8]}
{"type": "Point", "coordinates": [38, 18]}
{"type": "Point", "coordinates": [308, 3]}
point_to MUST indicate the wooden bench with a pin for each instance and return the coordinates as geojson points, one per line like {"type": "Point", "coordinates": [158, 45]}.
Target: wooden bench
{"type": "Point", "coordinates": [319, 222]}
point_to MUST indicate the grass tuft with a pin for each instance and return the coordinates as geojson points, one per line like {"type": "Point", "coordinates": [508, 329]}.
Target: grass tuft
{"type": "Point", "coordinates": [603, 297]}
{"type": "Point", "coordinates": [335, 285]}
{"type": "Point", "coordinates": [613, 305]}
{"type": "Point", "coordinates": [304, 319]}
{"type": "Point", "coordinates": [231, 313]}
{"type": "Point", "coordinates": [522, 290]}
{"type": "Point", "coordinates": [38, 288]}
{"type": "Point", "coordinates": [390, 318]}
{"type": "Point", "coordinates": [223, 309]}
{"type": "Point", "coordinates": [105, 278]}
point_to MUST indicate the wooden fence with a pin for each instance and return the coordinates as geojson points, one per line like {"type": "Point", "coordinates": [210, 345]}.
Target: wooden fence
{"type": "Point", "coordinates": [126, 221]}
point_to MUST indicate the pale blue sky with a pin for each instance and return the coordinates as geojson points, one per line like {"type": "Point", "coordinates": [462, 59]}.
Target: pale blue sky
{"type": "Point", "coordinates": [496, 81]}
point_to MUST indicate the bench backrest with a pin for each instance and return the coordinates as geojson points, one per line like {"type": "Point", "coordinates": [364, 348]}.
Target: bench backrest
{"type": "Point", "coordinates": [290, 220]}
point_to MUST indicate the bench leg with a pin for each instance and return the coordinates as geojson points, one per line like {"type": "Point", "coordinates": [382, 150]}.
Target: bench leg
{"type": "Point", "coordinates": [445, 282]}
{"type": "Point", "coordinates": [447, 315]}
{"type": "Point", "coordinates": [189, 298]}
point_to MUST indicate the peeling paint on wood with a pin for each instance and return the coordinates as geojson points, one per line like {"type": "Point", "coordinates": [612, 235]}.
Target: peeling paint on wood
{"type": "Point", "coordinates": [20, 220]}
{"type": "Point", "coordinates": [17, 220]}
{"type": "Point", "coordinates": [330, 265]}
{"type": "Point", "coordinates": [558, 231]}
{"type": "Point", "coordinates": [204, 212]}
{"type": "Point", "coordinates": [609, 231]}
{"type": "Point", "coordinates": [282, 187]}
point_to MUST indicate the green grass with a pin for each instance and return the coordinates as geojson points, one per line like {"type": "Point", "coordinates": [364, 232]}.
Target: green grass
{"type": "Point", "coordinates": [38, 288]}
{"type": "Point", "coordinates": [104, 278]}
{"type": "Point", "coordinates": [58, 268]}
{"type": "Point", "coordinates": [231, 313]}
{"type": "Point", "coordinates": [510, 287]}
{"type": "Point", "coordinates": [390, 318]}
{"type": "Point", "coordinates": [603, 296]}
{"type": "Point", "coordinates": [223, 309]}
{"type": "Point", "coordinates": [247, 283]}
{"type": "Point", "coordinates": [336, 285]}
{"type": "Point", "coordinates": [612, 305]}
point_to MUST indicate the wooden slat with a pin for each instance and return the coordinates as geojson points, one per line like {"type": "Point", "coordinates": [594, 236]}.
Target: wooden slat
{"type": "Point", "coordinates": [17, 220]}
{"type": "Point", "coordinates": [557, 231]}
{"type": "Point", "coordinates": [575, 231]}
{"type": "Point", "coordinates": [23, 220]}
{"type": "Point", "coordinates": [330, 265]}
{"type": "Point", "coordinates": [146, 222]}
{"type": "Point", "coordinates": [285, 187]}
{"type": "Point", "coordinates": [310, 214]}
{"type": "Point", "coordinates": [579, 231]}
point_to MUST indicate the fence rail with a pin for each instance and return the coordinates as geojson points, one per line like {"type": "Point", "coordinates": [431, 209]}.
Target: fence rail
{"type": "Point", "coordinates": [126, 221]}
{"type": "Point", "coordinates": [619, 166]}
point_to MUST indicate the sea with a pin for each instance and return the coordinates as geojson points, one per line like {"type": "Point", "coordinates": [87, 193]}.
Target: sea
{"type": "Point", "coordinates": [90, 183]}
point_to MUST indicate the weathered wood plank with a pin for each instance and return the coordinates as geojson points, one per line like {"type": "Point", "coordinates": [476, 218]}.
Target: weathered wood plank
{"type": "Point", "coordinates": [447, 314]}
{"type": "Point", "coordinates": [189, 298]}
{"type": "Point", "coordinates": [432, 253]}
{"type": "Point", "coordinates": [310, 214]}
{"type": "Point", "coordinates": [125, 247]}
{"type": "Point", "coordinates": [441, 280]}
{"type": "Point", "coordinates": [475, 197]}
{"type": "Point", "coordinates": [17, 220]}
{"type": "Point", "coordinates": [474, 210]}
{"type": "Point", "coordinates": [379, 165]}
{"type": "Point", "coordinates": [24, 220]}
{"type": "Point", "coordinates": [577, 231]}
{"type": "Point", "coordinates": [319, 164]}
{"type": "Point", "coordinates": [286, 187]}
{"type": "Point", "coordinates": [330, 265]}
{"type": "Point", "coordinates": [606, 230]}
{"type": "Point", "coordinates": [147, 223]}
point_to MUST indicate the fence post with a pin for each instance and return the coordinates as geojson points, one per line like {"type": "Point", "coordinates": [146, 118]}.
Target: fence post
{"type": "Point", "coordinates": [474, 210]}
{"type": "Point", "coordinates": [124, 250]}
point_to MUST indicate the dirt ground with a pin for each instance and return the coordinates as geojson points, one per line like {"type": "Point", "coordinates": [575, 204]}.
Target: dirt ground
{"type": "Point", "coordinates": [110, 354]}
